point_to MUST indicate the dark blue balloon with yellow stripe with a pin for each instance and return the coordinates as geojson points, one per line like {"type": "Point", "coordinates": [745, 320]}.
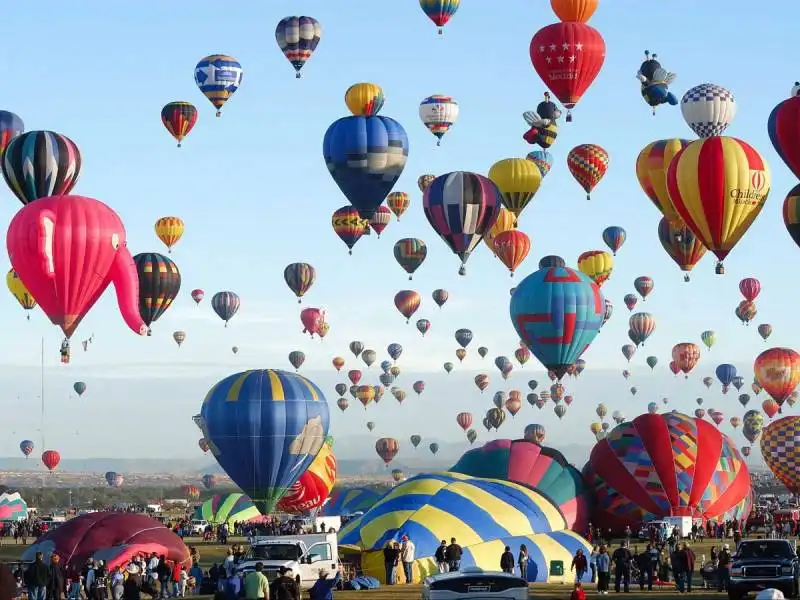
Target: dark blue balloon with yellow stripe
{"type": "Point", "coordinates": [265, 427]}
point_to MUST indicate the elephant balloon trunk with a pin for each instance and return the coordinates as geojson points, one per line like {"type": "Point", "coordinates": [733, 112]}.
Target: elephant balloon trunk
{"type": "Point", "coordinates": [126, 284]}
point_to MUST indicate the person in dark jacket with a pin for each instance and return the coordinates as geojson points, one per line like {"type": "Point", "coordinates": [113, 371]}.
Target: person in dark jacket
{"type": "Point", "coordinates": [163, 571]}
{"type": "Point", "coordinates": [507, 561]}
{"type": "Point", "coordinates": [622, 566]}
{"type": "Point", "coordinates": [132, 588]}
{"type": "Point", "coordinates": [441, 557]}
{"type": "Point", "coordinates": [678, 561]}
{"type": "Point", "coordinates": [453, 555]}
{"type": "Point", "coordinates": [391, 557]}
{"type": "Point", "coordinates": [56, 583]}
{"type": "Point", "coordinates": [36, 578]}
{"type": "Point", "coordinates": [690, 563]}
{"type": "Point", "coordinates": [579, 565]}
{"type": "Point", "coordinates": [284, 587]}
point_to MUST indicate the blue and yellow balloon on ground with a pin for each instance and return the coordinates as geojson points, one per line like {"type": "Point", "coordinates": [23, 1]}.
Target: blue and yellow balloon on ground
{"type": "Point", "coordinates": [265, 427]}
{"type": "Point", "coordinates": [484, 515]}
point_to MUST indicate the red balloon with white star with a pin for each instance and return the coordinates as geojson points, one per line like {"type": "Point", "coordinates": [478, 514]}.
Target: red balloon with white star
{"type": "Point", "coordinates": [568, 58]}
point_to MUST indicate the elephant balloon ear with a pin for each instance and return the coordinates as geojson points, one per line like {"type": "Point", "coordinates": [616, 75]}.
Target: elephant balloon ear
{"type": "Point", "coordinates": [126, 285]}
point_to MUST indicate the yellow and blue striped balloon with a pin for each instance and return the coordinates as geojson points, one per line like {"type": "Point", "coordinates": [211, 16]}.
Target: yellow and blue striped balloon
{"type": "Point", "coordinates": [265, 427]}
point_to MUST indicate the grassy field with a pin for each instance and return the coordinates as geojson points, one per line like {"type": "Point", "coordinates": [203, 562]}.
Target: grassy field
{"type": "Point", "coordinates": [210, 553]}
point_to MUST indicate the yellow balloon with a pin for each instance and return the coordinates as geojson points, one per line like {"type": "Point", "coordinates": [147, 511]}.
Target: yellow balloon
{"type": "Point", "coordinates": [651, 171]}
{"type": "Point", "coordinates": [169, 230]}
{"type": "Point", "coordinates": [19, 291]}
{"type": "Point", "coordinates": [506, 221]}
{"type": "Point", "coordinates": [597, 265]}
{"type": "Point", "coordinates": [596, 428]}
{"type": "Point", "coordinates": [364, 99]}
{"type": "Point", "coordinates": [518, 179]}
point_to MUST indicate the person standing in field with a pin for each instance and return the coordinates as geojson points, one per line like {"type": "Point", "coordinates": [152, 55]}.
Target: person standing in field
{"type": "Point", "coordinates": [391, 555]}
{"type": "Point", "coordinates": [522, 561]}
{"type": "Point", "coordinates": [441, 557]}
{"type": "Point", "coordinates": [507, 561]}
{"type": "Point", "coordinates": [256, 585]}
{"type": "Point", "coordinates": [407, 551]}
{"type": "Point", "coordinates": [453, 555]}
{"type": "Point", "coordinates": [603, 570]}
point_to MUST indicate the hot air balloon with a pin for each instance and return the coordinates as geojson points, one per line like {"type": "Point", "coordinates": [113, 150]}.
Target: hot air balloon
{"type": "Point", "coordinates": [342, 403]}
{"type": "Point", "coordinates": [597, 265]}
{"type": "Point", "coordinates": [19, 291]}
{"type": "Point", "coordinates": [614, 237]}
{"type": "Point", "coordinates": [495, 417]}
{"type": "Point", "coordinates": [387, 449]}
{"type": "Point", "coordinates": [198, 295]}
{"type": "Point", "coordinates": [159, 285]}
{"type": "Point", "coordinates": [588, 164]}
{"type": "Point", "coordinates": [11, 126]}
{"type": "Point", "coordinates": [410, 253]}
{"type": "Point", "coordinates": [40, 164]}
{"type": "Point", "coordinates": [169, 230]}
{"type": "Point", "coordinates": [407, 303]}
{"type": "Point", "coordinates": [26, 447]}
{"type": "Point", "coordinates": [297, 38]}
{"type": "Point", "coordinates": [439, 11]}
{"type": "Point", "coordinates": [725, 373]}
{"type": "Point", "coordinates": [111, 479]}
{"type": "Point", "coordinates": [79, 387]}
{"type": "Point", "coordinates": [424, 181]}
{"type": "Point", "coordinates": [203, 444]}
{"type": "Point", "coordinates": [542, 159]}
{"type": "Point", "coordinates": [518, 180]}
{"type": "Point", "coordinates": [179, 337]}
{"type": "Point", "coordinates": [708, 109]}
{"type": "Point", "coordinates": [418, 387]}
{"type": "Point", "coordinates": [782, 127]}
{"type": "Point", "coordinates": [218, 76]}
{"type": "Point", "coordinates": [709, 338]}
{"type": "Point", "coordinates": [685, 355]}
{"type": "Point", "coordinates": [369, 357]}
{"type": "Point", "coordinates": [394, 350]}
{"type": "Point", "coordinates": [568, 57]}
{"type": "Point", "coordinates": [512, 248]}
{"type": "Point", "coordinates": [746, 311]}
{"type": "Point", "coordinates": [296, 359]}
{"type": "Point", "coordinates": [628, 350]}
{"type": "Point", "coordinates": [461, 207]}
{"type": "Point", "coordinates": [440, 297]}
{"type": "Point", "coordinates": [423, 325]}
{"type": "Point", "coordinates": [718, 186]}
{"type": "Point", "coordinates": [750, 287]}
{"type": "Point", "coordinates": [299, 277]}
{"type": "Point", "coordinates": [777, 371]}
{"type": "Point", "coordinates": [765, 330]}
{"type": "Point", "coordinates": [630, 301]}
{"type": "Point", "coordinates": [644, 286]}
{"type": "Point", "coordinates": [179, 118]}
{"type": "Point", "coordinates": [780, 448]}
{"type": "Point", "coordinates": [398, 203]}
{"type": "Point", "coordinates": [265, 427]}
{"type": "Point", "coordinates": [50, 459]}
{"type": "Point", "coordinates": [655, 82]}
{"type": "Point", "coordinates": [482, 381]}
{"type": "Point", "coordinates": [642, 325]}
{"type": "Point", "coordinates": [651, 361]}
{"type": "Point", "coordinates": [380, 220]}
{"type": "Point", "coordinates": [226, 305]}
{"type": "Point", "coordinates": [86, 251]}
{"type": "Point", "coordinates": [438, 113]}
{"type": "Point", "coordinates": [557, 332]}
{"type": "Point", "coordinates": [681, 244]}
{"type": "Point", "coordinates": [651, 171]}
{"type": "Point", "coordinates": [770, 407]}
{"type": "Point", "coordinates": [483, 351]}
{"type": "Point", "coordinates": [506, 221]}
{"type": "Point", "coordinates": [365, 183]}
{"type": "Point", "coordinates": [349, 226]}
{"type": "Point", "coordinates": [464, 420]}
{"type": "Point", "coordinates": [696, 469]}
{"type": "Point", "coordinates": [579, 11]}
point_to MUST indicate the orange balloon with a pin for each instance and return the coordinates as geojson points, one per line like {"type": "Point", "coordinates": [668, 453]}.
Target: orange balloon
{"type": "Point", "coordinates": [512, 247]}
{"type": "Point", "coordinates": [778, 372]}
{"type": "Point", "coordinates": [574, 10]}
{"type": "Point", "coordinates": [686, 356]}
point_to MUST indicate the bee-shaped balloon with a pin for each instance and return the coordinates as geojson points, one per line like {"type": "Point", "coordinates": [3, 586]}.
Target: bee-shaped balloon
{"type": "Point", "coordinates": [543, 127]}
{"type": "Point", "coordinates": [655, 82]}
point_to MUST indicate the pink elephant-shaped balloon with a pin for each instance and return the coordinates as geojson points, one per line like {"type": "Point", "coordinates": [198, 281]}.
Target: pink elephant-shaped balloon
{"type": "Point", "coordinates": [312, 318]}
{"type": "Point", "coordinates": [66, 250]}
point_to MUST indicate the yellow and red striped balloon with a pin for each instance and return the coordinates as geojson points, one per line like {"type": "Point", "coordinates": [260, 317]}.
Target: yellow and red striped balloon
{"type": "Point", "coordinates": [651, 171]}
{"type": "Point", "coordinates": [718, 185]}
{"type": "Point", "coordinates": [777, 370]}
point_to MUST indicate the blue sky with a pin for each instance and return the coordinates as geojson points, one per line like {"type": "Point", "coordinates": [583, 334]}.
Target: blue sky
{"type": "Point", "coordinates": [254, 192]}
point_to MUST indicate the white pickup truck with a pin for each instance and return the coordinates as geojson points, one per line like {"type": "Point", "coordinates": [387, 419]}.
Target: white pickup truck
{"type": "Point", "coordinates": [305, 555]}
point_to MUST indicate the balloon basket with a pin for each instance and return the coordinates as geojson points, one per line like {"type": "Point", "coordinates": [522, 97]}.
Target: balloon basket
{"type": "Point", "coordinates": [219, 113]}
{"type": "Point", "coordinates": [297, 75]}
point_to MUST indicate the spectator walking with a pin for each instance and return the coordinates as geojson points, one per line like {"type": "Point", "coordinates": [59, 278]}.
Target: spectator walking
{"type": "Point", "coordinates": [579, 565]}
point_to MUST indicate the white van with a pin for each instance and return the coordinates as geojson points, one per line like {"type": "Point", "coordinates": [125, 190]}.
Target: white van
{"type": "Point", "coordinates": [473, 583]}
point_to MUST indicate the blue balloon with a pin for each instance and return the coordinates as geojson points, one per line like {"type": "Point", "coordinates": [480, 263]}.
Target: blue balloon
{"type": "Point", "coordinates": [394, 350]}
{"type": "Point", "coordinates": [542, 159]}
{"type": "Point", "coordinates": [725, 373]}
{"type": "Point", "coordinates": [265, 427]}
{"type": "Point", "coordinates": [557, 312]}
{"type": "Point", "coordinates": [386, 365]}
{"type": "Point", "coordinates": [11, 126]}
{"type": "Point", "coordinates": [26, 446]}
{"type": "Point", "coordinates": [614, 237]}
{"type": "Point", "coordinates": [365, 156]}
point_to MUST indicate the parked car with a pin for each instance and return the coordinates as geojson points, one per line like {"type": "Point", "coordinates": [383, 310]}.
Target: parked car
{"type": "Point", "coordinates": [762, 564]}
